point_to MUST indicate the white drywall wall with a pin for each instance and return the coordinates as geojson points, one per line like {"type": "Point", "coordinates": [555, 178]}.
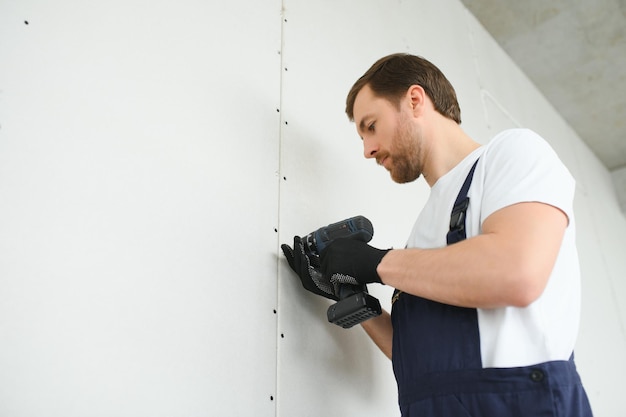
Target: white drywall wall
{"type": "Point", "coordinates": [153, 156]}
{"type": "Point", "coordinates": [138, 202]}
{"type": "Point", "coordinates": [619, 180]}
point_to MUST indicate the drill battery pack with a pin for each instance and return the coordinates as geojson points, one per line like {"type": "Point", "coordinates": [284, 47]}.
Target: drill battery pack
{"type": "Point", "coordinates": [354, 309]}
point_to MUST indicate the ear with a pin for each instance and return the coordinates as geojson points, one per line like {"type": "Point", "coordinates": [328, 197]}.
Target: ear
{"type": "Point", "coordinates": [417, 97]}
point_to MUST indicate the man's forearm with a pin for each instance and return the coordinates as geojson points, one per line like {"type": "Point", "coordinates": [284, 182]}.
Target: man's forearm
{"type": "Point", "coordinates": [507, 265]}
{"type": "Point", "coordinates": [379, 329]}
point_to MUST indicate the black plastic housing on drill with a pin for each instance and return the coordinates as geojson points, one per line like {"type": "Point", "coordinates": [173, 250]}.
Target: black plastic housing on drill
{"type": "Point", "coordinates": [354, 309]}
{"type": "Point", "coordinates": [355, 304]}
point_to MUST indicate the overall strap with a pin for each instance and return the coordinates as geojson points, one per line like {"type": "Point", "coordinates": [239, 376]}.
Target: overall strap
{"type": "Point", "coordinates": [457, 218]}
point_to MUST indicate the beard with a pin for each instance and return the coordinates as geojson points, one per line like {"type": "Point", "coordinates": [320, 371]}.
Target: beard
{"type": "Point", "coordinates": [405, 153]}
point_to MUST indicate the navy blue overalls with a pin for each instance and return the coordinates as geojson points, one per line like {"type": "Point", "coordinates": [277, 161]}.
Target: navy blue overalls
{"type": "Point", "coordinates": [437, 361]}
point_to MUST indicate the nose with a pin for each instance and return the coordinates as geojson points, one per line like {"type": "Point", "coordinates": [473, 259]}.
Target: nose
{"type": "Point", "coordinates": [370, 148]}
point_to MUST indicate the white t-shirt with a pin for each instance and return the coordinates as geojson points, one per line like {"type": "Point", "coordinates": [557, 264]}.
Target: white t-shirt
{"type": "Point", "coordinates": [515, 166]}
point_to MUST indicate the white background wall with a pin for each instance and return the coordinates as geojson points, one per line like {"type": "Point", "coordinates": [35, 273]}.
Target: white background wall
{"type": "Point", "coordinates": [153, 156]}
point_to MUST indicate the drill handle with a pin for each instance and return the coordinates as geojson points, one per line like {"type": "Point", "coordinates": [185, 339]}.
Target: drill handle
{"type": "Point", "coordinates": [346, 290]}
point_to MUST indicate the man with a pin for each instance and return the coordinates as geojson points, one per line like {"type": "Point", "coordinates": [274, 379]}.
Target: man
{"type": "Point", "coordinates": [485, 313]}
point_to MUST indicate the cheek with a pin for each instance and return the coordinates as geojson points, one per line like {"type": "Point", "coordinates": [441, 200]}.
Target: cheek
{"type": "Point", "coordinates": [401, 141]}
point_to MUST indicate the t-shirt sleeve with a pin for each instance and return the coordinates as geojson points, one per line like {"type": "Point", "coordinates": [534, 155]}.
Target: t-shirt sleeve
{"type": "Point", "coordinates": [520, 166]}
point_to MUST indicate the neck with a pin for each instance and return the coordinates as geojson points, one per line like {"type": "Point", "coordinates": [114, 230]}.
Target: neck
{"type": "Point", "coordinates": [448, 145]}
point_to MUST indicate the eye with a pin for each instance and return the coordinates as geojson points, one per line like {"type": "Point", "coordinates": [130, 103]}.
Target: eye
{"type": "Point", "coordinates": [371, 127]}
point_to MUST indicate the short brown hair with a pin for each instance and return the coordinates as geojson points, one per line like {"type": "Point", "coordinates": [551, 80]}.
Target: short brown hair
{"type": "Point", "coordinates": [390, 77]}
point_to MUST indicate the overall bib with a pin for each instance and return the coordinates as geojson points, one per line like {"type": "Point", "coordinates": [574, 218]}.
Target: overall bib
{"type": "Point", "coordinates": [438, 367]}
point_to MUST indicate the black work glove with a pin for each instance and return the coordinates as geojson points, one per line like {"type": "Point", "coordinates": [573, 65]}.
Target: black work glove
{"type": "Point", "coordinates": [312, 278]}
{"type": "Point", "coordinates": [350, 261]}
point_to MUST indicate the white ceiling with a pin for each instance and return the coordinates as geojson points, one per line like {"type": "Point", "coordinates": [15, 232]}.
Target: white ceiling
{"type": "Point", "coordinates": [575, 53]}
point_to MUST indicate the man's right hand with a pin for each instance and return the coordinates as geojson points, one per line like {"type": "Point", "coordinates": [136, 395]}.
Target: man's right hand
{"type": "Point", "coordinates": [310, 276]}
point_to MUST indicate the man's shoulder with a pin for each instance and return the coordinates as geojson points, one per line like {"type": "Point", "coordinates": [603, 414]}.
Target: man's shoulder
{"type": "Point", "coordinates": [512, 136]}
{"type": "Point", "coordinates": [513, 143]}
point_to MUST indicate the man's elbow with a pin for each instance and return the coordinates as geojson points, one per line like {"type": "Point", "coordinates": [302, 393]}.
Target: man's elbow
{"type": "Point", "coordinates": [527, 286]}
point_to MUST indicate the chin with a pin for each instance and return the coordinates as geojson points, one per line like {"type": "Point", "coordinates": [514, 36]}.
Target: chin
{"type": "Point", "coordinates": [404, 179]}
{"type": "Point", "coordinates": [399, 180]}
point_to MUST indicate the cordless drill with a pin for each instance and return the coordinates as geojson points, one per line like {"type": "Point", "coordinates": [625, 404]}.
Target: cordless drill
{"type": "Point", "coordinates": [355, 304]}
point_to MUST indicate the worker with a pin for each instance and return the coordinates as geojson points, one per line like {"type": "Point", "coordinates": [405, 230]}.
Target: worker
{"type": "Point", "coordinates": [486, 306]}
